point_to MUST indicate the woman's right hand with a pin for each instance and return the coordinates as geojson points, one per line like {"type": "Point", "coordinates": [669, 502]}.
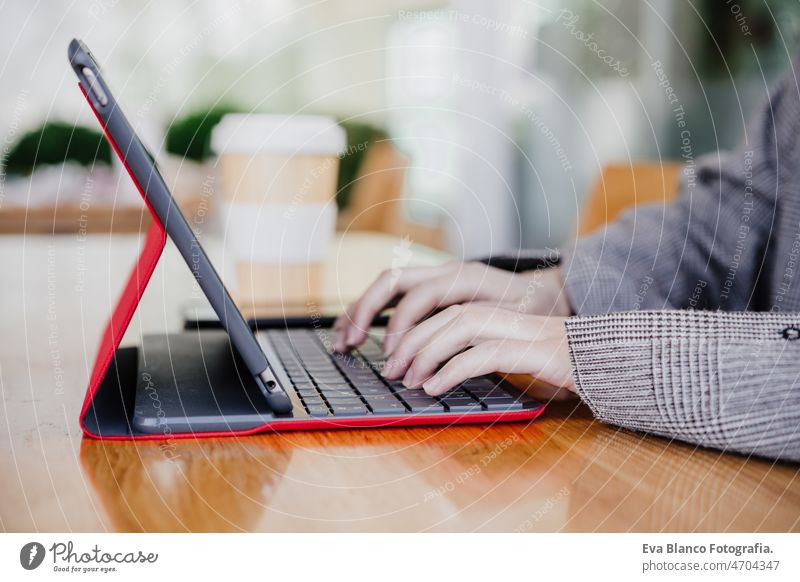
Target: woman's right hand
{"type": "Point", "coordinates": [417, 291]}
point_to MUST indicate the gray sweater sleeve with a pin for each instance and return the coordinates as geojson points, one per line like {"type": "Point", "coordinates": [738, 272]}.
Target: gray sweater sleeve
{"type": "Point", "coordinates": [723, 378]}
{"type": "Point", "coordinates": [707, 250]}
{"type": "Point", "coordinates": [716, 379]}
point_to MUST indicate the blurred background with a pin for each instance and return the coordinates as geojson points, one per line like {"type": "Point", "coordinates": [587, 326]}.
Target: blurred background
{"type": "Point", "coordinates": [486, 124]}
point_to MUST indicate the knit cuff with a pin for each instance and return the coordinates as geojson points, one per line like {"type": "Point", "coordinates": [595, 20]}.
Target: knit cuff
{"type": "Point", "coordinates": [711, 378]}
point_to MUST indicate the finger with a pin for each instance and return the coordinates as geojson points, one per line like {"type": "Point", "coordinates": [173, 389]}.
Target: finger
{"type": "Point", "coordinates": [440, 292]}
{"type": "Point", "coordinates": [472, 325]}
{"type": "Point", "coordinates": [340, 327]}
{"type": "Point", "coordinates": [389, 284]}
{"type": "Point", "coordinates": [342, 323]}
{"type": "Point", "coordinates": [475, 361]}
{"type": "Point", "coordinates": [437, 339]}
{"type": "Point", "coordinates": [415, 305]}
{"type": "Point", "coordinates": [547, 360]}
{"type": "Point", "coordinates": [400, 360]}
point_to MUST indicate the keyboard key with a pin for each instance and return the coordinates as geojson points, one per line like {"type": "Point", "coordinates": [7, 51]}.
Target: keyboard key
{"type": "Point", "coordinates": [458, 393]}
{"type": "Point", "coordinates": [375, 390]}
{"type": "Point", "coordinates": [340, 384]}
{"type": "Point", "coordinates": [345, 361]}
{"type": "Point", "coordinates": [461, 404]}
{"type": "Point", "coordinates": [387, 404]}
{"type": "Point", "coordinates": [373, 383]}
{"type": "Point", "coordinates": [331, 398]}
{"type": "Point", "coordinates": [307, 393]}
{"type": "Point", "coordinates": [339, 394]}
{"type": "Point", "coordinates": [492, 393]}
{"type": "Point", "coordinates": [502, 404]}
{"type": "Point", "coordinates": [479, 383]}
{"type": "Point", "coordinates": [387, 407]}
{"type": "Point", "coordinates": [422, 403]}
{"type": "Point", "coordinates": [298, 377]}
{"type": "Point", "coordinates": [349, 409]}
{"type": "Point", "coordinates": [313, 401]}
{"type": "Point", "coordinates": [343, 399]}
{"type": "Point", "coordinates": [425, 407]}
{"type": "Point", "coordinates": [404, 393]}
{"type": "Point", "coordinates": [329, 378]}
{"type": "Point", "coordinates": [417, 395]}
{"type": "Point", "coordinates": [317, 410]}
{"type": "Point", "coordinates": [327, 368]}
{"type": "Point", "coordinates": [360, 377]}
{"type": "Point", "coordinates": [336, 388]}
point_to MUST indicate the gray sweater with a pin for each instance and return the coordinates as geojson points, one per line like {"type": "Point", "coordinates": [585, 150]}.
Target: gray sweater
{"type": "Point", "coordinates": [687, 317]}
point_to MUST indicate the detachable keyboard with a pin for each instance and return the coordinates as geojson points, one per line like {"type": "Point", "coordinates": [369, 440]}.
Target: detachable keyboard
{"type": "Point", "coordinates": [330, 384]}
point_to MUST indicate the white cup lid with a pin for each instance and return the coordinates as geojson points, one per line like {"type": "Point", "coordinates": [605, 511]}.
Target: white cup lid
{"type": "Point", "coordinates": [257, 133]}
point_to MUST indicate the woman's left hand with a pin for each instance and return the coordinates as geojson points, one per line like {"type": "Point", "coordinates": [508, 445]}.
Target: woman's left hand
{"type": "Point", "coordinates": [475, 340]}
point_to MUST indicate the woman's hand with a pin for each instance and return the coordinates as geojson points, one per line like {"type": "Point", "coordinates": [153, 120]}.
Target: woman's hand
{"type": "Point", "coordinates": [419, 290]}
{"type": "Point", "coordinates": [473, 340]}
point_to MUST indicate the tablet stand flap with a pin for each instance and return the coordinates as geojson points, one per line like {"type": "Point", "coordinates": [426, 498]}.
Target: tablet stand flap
{"type": "Point", "coordinates": [114, 365]}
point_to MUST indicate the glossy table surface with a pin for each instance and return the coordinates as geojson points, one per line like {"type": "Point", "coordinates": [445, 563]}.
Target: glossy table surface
{"type": "Point", "coordinates": [562, 472]}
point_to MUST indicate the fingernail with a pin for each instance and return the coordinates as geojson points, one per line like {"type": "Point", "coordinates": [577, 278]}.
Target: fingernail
{"type": "Point", "coordinates": [388, 346]}
{"type": "Point", "coordinates": [352, 336]}
{"type": "Point", "coordinates": [387, 369]}
{"type": "Point", "coordinates": [407, 380]}
{"type": "Point", "coordinates": [432, 385]}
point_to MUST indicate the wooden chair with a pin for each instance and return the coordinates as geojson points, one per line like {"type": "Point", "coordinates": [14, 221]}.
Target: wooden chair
{"type": "Point", "coordinates": [621, 186]}
{"type": "Point", "coordinates": [376, 202]}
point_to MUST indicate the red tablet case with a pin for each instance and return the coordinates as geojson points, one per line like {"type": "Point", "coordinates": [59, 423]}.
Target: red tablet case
{"type": "Point", "coordinates": [106, 383]}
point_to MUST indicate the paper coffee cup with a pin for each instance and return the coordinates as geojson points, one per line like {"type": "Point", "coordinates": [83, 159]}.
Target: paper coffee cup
{"type": "Point", "coordinates": [279, 176]}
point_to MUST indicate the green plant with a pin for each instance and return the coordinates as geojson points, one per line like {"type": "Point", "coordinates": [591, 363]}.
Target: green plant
{"type": "Point", "coordinates": [56, 142]}
{"type": "Point", "coordinates": [730, 33]}
{"type": "Point", "coordinates": [190, 136]}
{"type": "Point", "coordinates": [359, 138]}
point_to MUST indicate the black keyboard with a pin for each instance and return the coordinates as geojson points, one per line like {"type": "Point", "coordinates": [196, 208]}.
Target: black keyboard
{"type": "Point", "coordinates": [350, 384]}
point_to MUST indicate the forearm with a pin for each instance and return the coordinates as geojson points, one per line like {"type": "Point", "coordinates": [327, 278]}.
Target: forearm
{"type": "Point", "coordinates": [708, 248]}
{"type": "Point", "coordinates": [722, 380]}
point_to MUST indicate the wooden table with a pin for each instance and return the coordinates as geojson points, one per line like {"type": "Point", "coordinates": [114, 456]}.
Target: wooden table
{"type": "Point", "coordinates": [563, 472]}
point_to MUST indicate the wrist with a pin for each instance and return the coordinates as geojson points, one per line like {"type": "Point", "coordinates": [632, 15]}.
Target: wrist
{"type": "Point", "coordinates": [561, 306]}
{"type": "Point", "coordinates": [544, 292]}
